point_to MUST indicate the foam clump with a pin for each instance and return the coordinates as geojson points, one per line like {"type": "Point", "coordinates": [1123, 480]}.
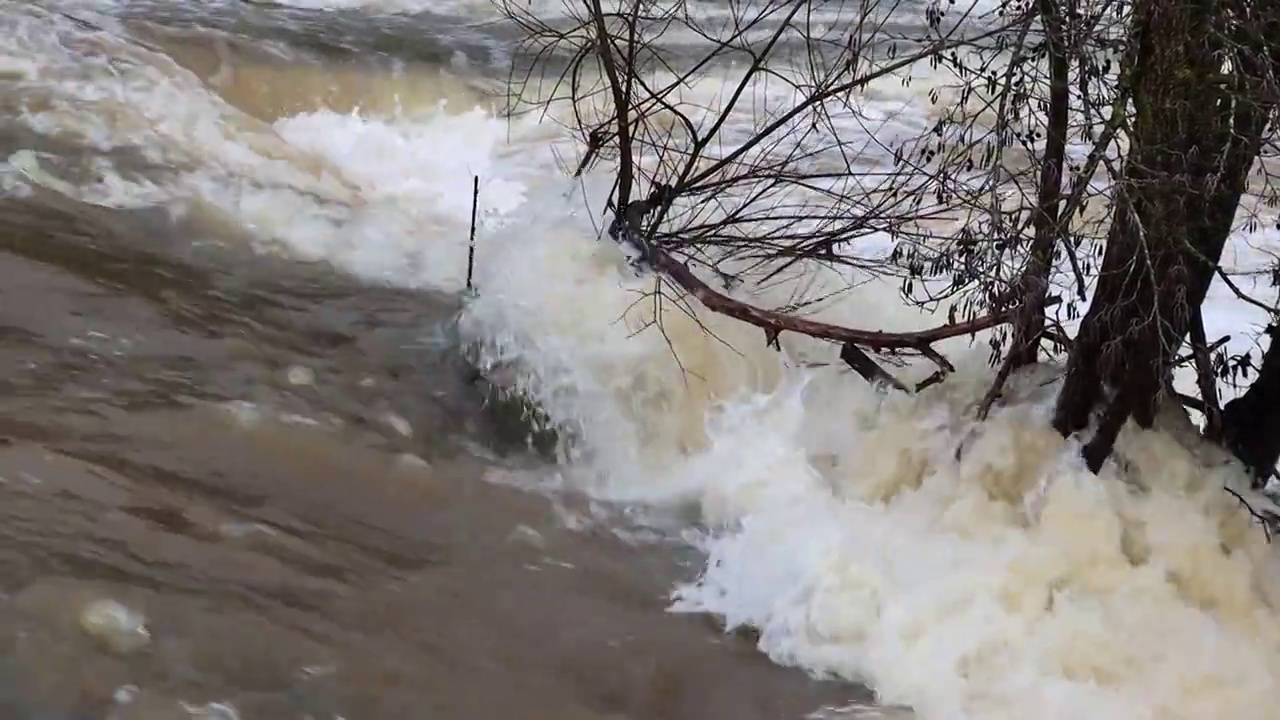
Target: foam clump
{"type": "Point", "coordinates": [300, 375]}
{"type": "Point", "coordinates": [113, 624]}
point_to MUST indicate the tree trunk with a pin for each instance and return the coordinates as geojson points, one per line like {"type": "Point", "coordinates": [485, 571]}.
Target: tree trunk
{"type": "Point", "coordinates": [1195, 134]}
{"type": "Point", "coordinates": [1251, 422]}
{"type": "Point", "coordinates": [1033, 285]}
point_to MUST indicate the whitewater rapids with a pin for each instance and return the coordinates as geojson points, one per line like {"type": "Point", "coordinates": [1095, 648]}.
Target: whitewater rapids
{"type": "Point", "coordinates": [971, 572]}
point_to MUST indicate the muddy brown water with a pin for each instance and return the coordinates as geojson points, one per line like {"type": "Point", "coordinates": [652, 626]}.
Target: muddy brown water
{"type": "Point", "coordinates": [315, 563]}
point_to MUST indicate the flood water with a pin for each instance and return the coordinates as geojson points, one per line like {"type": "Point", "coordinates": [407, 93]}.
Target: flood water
{"type": "Point", "coordinates": [289, 473]}
{"type": "Point", "coordinates": [322, 544]}
{"type": "Point", "coordinates": [241, 399]}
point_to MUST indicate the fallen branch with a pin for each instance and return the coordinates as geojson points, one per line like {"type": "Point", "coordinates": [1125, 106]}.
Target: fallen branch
{"type": "Point", "coordinates": [861, 362]}
{"type": "Point", "coordinates": [771, 320]}
{"type": "Point", "coordinates": [626, 229]}
{"type": "Point", "coordinates": [774, 323]}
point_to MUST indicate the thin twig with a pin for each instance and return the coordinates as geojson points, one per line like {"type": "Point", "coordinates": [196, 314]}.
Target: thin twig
{"type": "Point", "coordinates": [1263, 520]}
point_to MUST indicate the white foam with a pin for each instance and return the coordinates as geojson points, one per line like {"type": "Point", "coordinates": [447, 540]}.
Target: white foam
{"type": "Point", "coordinates": [1006, 583]}
{"type": "Point", "coordinates": [899, 566]}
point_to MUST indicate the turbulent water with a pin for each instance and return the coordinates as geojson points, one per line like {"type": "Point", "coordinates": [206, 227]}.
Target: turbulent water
{"type": "Point", "coordinates": [324, 149]}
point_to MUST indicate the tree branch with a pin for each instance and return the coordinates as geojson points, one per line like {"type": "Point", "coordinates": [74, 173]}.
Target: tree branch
{"type": "Point", "coordinates": [1050, 228]}
{"type": "Point", "coordinates": [773, 321]}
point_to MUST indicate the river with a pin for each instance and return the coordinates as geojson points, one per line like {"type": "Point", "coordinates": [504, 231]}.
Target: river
{"type": "Point", "coordinates": [241, 401]}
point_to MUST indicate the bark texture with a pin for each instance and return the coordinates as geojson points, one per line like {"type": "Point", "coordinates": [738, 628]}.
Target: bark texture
{"type": "Point", "coordinates": [1195, 134]}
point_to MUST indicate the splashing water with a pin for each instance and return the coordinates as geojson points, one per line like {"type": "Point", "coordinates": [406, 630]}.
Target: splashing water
{"type": "Point", "coordinates": [972, 572]}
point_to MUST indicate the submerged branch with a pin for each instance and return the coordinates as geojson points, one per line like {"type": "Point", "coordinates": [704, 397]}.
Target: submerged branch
{"type": "Point", "coordinates": [861, 362]}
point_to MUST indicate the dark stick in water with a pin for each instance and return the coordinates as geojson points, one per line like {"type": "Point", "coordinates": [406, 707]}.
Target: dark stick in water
{"type": "Point", "coordinates": [471, 250]}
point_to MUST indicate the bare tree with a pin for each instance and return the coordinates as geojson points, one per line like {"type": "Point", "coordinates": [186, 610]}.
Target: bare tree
{"type": "Point", "coordinates": [746, 192]}
{"type": "Point", "coordinates": [1078, 145]}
